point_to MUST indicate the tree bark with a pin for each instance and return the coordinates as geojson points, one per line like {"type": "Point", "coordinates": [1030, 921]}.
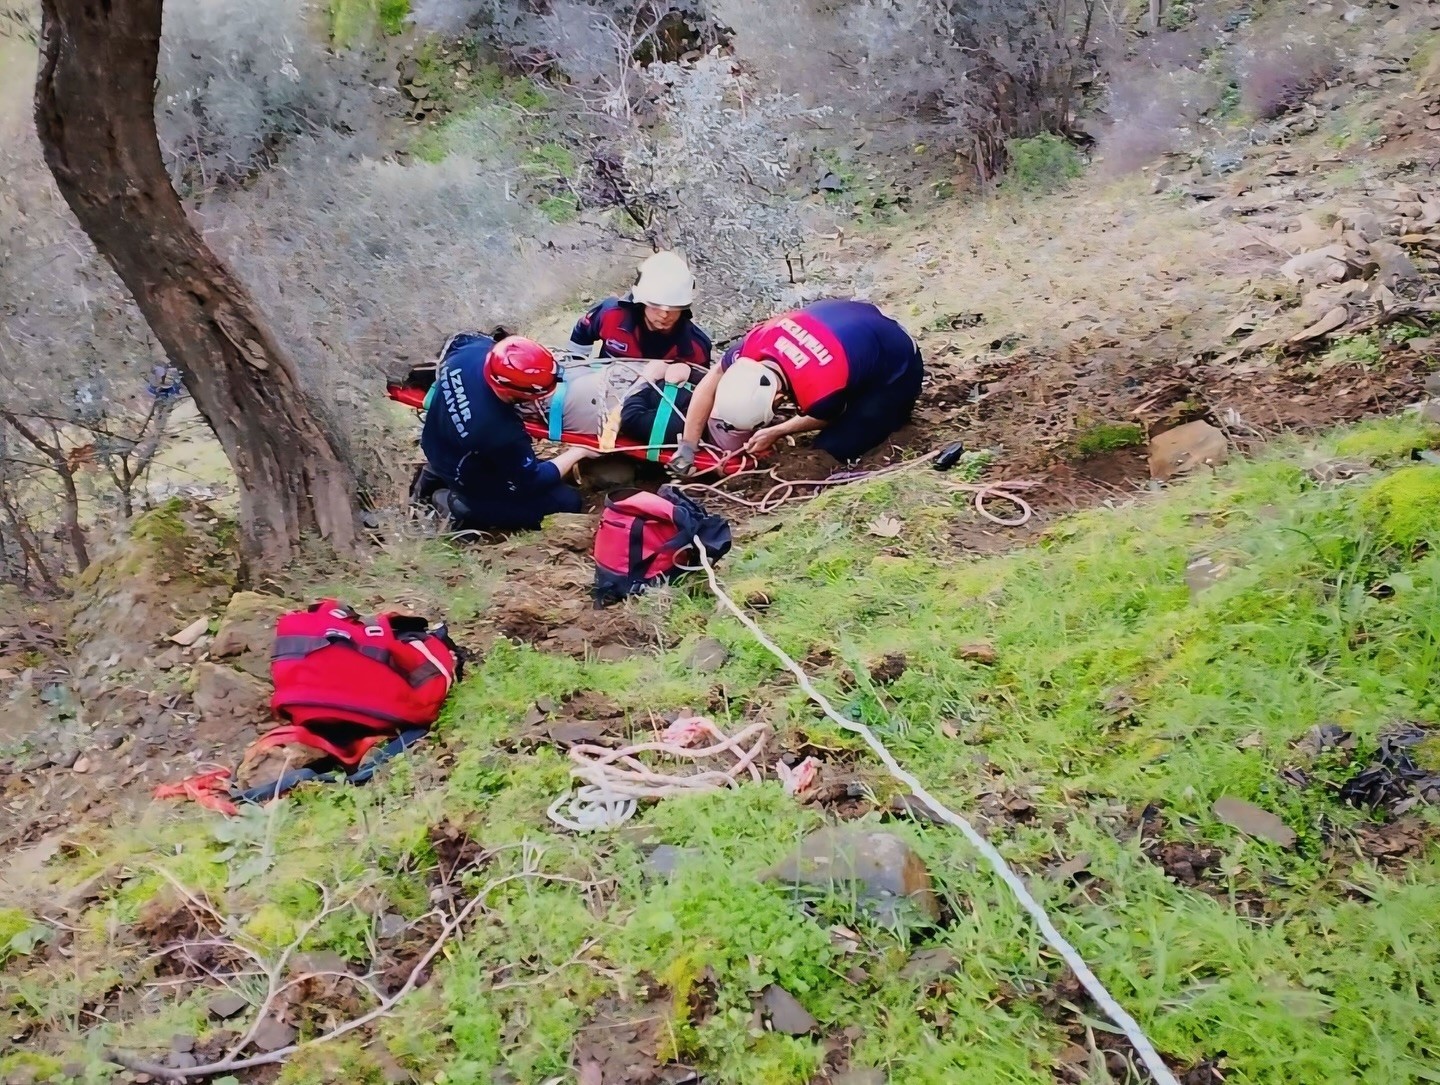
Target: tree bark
{"type": "Point", "coordinates": [95, 112]}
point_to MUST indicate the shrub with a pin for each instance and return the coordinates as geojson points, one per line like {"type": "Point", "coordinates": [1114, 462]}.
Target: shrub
{"type": "Point", "coordinates": [1042, 163]}
{"type": "Point", "coordinates": [365, 265]}
{"type": "Point", "coordinates": [238, 82]}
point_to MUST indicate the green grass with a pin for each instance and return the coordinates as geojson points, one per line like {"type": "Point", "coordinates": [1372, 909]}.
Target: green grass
{"type": "Point", "coordinates": [1043, 163]}
{"type": "Point", "coordinates": [1363, 350]}
{"type": "Point", "coordinates": [353, 22]}
{"type": "Point", "coordinates": [1336, 984]}
{"type": "Point", "coordinates": [1108, 437]}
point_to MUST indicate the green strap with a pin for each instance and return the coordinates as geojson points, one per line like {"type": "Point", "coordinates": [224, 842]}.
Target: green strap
{"type": "Point", "coordinates": [662, 419]}
{"type": "Point", "coordinates": [429, 396]}
{"type": "Point", "coordinates": [557, 412]}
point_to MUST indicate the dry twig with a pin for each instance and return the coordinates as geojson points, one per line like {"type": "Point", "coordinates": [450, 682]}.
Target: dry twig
{"type": "Point", "coordinates": [230, 1063]}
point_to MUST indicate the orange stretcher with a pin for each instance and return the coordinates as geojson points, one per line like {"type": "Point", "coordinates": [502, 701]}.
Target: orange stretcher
{"type": "Point", "coordinates": [413, 390]}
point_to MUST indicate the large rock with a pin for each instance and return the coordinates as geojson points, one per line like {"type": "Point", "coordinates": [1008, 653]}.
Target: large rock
{"type": "Point", "coordinates": [879, 869]}
{"type": "Point", "coordinates": [247, 630]}
{"type": "Point", "coordinates": [1184, 448]}
{"type": "Point", "coordinates": [227, 699]}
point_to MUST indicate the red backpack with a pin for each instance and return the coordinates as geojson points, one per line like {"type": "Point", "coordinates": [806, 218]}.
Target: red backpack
{"type": "Point", "coordinates": [346, 683]}
{"type": "Point", "coordinates": [646, 539]}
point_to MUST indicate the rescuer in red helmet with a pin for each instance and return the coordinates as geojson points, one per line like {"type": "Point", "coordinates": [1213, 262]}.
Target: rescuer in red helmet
{"type": "Point", "coordinates": [481, 469]}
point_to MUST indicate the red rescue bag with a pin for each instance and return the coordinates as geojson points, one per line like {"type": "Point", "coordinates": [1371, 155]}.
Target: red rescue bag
{"type": "Point", "coordinates": [345, 683]}
{"type": "Point", "coordinates": [646, 539]}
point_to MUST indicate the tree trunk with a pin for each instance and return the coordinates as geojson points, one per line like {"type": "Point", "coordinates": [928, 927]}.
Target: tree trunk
{"type": "Point", "coordinates": [95, 112]}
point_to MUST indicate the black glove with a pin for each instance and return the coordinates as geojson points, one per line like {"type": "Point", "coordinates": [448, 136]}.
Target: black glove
{"type": "Point", "coordinates": [682, 464]}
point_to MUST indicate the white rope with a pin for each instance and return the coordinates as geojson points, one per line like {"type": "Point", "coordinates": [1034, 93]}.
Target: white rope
{"type": "Point", "coordinates": [1112, 1009]}
{"type": "Point", "coordinates": [590, 808]}
{"type": "Point", "coordinates": [612, 781]}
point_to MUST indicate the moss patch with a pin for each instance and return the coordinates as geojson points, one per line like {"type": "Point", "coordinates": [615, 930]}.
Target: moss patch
{"type": "Point", "coordinates": [1108, 437]}
{"type": "Point", "coordinates": [1405, 506]}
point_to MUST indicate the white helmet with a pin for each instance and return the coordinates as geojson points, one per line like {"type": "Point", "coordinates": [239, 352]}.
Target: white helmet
{"type": "Point", "coordinates": [665, 279]}
{"type": "Point", "coordinates": [745, 396]}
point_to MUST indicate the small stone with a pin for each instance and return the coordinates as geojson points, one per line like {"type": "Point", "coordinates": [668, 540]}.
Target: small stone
{"type": "Point", "coordinates": [1325, 265]}
{"type": "Point", "coordinates": [1430, 412]}
{"type": "Point", "coordinates": [191, 633]}
{"type": "Point", "coordinates": [877, 868]}
{"type": "Point", "coordinates": [708, 656]}
{"type": "Point", "coordinates": [1185, 448]}
{"type": "Point", "coordinates": [168, 660]}
{"type": "Point", "coordinates": [860, 1077]}
{"type": "Point", "coordinates": [109, 738]}
{"type": "Point", "coordinates": [392, 925]}
{"type": "Point", "coordinates": [786, 1014]}
{"type": "Point", "coordinates": [930, 964]}
{"type": "Point", "coordinates": [1253, 821]}
{"type": "Point", "coordinates": [82, 765]}
{"type": "Point", "coordinates": [226, 1006]}
{"type": "Point", "coordinates": [1160, 184]}
{"type": "Point", "coordinates": [182, 1042]}
{"type": "Point", "coordinates": [615, 653]}
{"type": "Point", "coordinates": [1337, 470]}
{"type": "Point", "coordinates": [66, 759]}
{"type": "Point", "coordinates": [318, 961]}
{"type": "Point", "coordinates": [979, 652]}
{"type": "Point", "coordinates": [667, 858]}
{"type": "Point", "coordinates": [272, 1035]}
{"type": "Point", "coordinates": [1204, 572]}
{"type": "Point", "coordinates": [181, 1060]}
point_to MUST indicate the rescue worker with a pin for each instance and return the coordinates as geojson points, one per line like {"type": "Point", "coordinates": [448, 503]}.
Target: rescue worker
{"type": "Point", "coordinates": [653, 321]}
{"type": "Point", "coordinates": [481, 469]}
{"type": "Point", "coordinates": [852, 372]}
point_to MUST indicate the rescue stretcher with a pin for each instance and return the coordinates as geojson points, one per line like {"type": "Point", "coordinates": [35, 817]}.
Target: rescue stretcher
{"type": "Point", "coordinates": [413, 389]}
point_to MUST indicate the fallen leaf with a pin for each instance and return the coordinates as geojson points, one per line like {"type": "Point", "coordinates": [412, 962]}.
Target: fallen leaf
{"type": "Point", "coordinates": [949, 730]}
{"type": "Point", "coordinates": [1334, 320]}
{"type": "Point", "coordinates": [1252, 741]}
{"type": "Point", "coordinates": [886, 526]}
{"type": "Point", "coordinates": [1071, 867]}
{"type": "Point", "coordinates": [1253, 821]}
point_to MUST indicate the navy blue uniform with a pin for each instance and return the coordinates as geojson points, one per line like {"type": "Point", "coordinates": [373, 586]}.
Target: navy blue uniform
{"type": "Point", "coordinates": [846, 363]}
{"type": "Point", "coordinates": [619, 324]}
{"type": "Point", "coordinates": [476, 447]}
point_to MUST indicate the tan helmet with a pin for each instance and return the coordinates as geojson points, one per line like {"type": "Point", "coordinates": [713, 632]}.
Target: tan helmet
{"type": "Point", "coordinates": [665, 279]}
{"type": "Point", "coordinates": [745, 395]}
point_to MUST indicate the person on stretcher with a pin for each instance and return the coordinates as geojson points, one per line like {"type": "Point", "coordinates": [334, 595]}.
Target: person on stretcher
{"type": "Point", "coordinates": [651, 398]}
{"type": "Point", "coordinates": [652, 321]}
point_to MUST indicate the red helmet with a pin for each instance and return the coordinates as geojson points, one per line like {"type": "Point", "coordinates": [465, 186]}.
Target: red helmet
{"type": "Point", "coordinates": [521, 368]}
